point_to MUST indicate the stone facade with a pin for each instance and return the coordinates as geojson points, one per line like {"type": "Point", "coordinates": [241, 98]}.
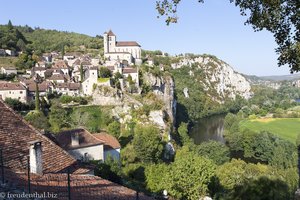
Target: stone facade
{"type": "Point", "coordinates": [119, 51]}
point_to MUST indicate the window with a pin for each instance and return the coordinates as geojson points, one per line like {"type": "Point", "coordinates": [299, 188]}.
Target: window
{"type": "Point", "coordinates": [21, 92]}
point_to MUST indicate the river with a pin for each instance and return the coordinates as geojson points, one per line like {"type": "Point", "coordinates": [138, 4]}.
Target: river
{"type": "Point", "coordinates": [210, 128]}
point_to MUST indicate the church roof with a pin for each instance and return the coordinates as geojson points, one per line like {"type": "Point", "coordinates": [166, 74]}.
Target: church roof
{"type": "Point", "coordinates": [110, 33]}
{"type": "Point", "coordinates": [127, 43]}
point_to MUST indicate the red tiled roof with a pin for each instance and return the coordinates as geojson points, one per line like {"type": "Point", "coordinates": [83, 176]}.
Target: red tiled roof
{"type": "Point", "coordinates": [86, 62]}
{"type": "Point", "coordinates": [86, 139]}
{"type": "Point", "coordinates": [61, 64]}
{"type": "Point", "coordinates": [111, 68]}
{"type": "Point", "coordinates": [43, 87]}
{"type": "Point", "coordinates": [57, 77]}
{"type": "Point", "coordinates": [11, 86]}
{"type": "Point", "coordinates": [118, 52]}
{"type": "Point", "coordinates": [77, 62]}
{"type": "Point", "coordinates": [39, 69]}
{"type": "Point", "coordinates": [108, 140]}
{"type": "Point", "coordinates": [71, 86]}
{"type": "Point", "coordinates": [129, 70]}
{"type": "Point", "coordinates": [15, 133]}
{"type": "Point", "coordinates": [127, 43]}
{"type": "Point", "coordinates": [81, 187]}
{"type": "Point", "coordinates": [94, 68]}
{"type": "Point", "coordinates": [110, 33]}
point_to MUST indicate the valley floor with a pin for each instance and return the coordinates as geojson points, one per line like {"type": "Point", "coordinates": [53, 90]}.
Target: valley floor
{"type": "Point", "coordinates": [286, 128]}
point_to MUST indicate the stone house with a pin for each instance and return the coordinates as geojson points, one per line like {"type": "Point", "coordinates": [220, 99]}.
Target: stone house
{"type": "Point", "coordinates": [47, 57]}
{"type": "Point", "coordinates": [57, 78]}
{"type": "Point", "coordinates": [44, 87]}
{"type": "Point", "coordinates": [11, 52]}
{"type": "Point", "coordinates": [133, 72]}
{"type": "Point", "coordinates": [63, 66]}
{"type": "Point", "coordinates": [39, 70]}
{"type": "Point", "coordinates": [112, 146]}
{"type": "Point", "coordinates": [81, 144]}
{"type": "Point", "coordinates": [91, 79]}
{"type": "Point", "coordinates": [13, 90]}
{"type": "Point", "coordinates": [70, 89]}
{"type": "Point", "coordinates": [8, 70]}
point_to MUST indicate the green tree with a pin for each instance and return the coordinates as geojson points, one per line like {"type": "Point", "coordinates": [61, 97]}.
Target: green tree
{"type": "Point", "coordinates": [110, 170]}
{"type": "Point", "coordinates": [37, 97]}
{"type": "Point", "coordinates": [147, 143]}
{"type": "Point", "coordinates": [183, 134]}
{"type": "Point", "coordinates": [81, 73]}
{"type": "Point", "coordinates": [281, 18]}
{"type": "Point", "coordinates": [17, 105]}
{"type": "Point", "coordinates": [155, 177]}
{"type": "Point", "coordinates": [105, 72]}
{"type": "Point", "coordinates": [90, 117]}
{"type": "Point", "coordinates": [241, 180]}
{"type": "Point", "coordinates": [9, 25]}
{"type": "Point", "coordinates": [37, 119]}
{"type": "Point", "coordinates": [189, 175]}
{"type": "Point", "coordinates": [215, 151]}
{"type": "Point", "coordinates": [58, 117]}
{"type": "Point", "coordinates": [114, 129]}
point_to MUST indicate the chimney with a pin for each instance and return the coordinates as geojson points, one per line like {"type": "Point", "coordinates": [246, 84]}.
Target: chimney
{"type": "Point", "coordinates": [35, 157]}
{"type": "Point", "coordinates": [74, 139]}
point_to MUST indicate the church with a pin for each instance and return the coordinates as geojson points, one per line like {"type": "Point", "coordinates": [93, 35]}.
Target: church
{"type": "Point", "coordinates": [121, 51]}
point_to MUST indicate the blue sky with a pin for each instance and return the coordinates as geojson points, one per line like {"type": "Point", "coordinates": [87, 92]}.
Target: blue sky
{"type": "Point", "coordinates": [215, 27]}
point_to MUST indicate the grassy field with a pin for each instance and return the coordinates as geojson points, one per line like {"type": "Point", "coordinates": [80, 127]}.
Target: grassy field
{"type": "Point", "coordinates": [7, 61]}
{"type": "Point", "coordinates": [286, 128]}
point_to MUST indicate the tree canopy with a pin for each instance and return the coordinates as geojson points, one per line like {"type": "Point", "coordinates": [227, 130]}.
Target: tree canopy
{"type": "Point", "coordinates": [281, 18]}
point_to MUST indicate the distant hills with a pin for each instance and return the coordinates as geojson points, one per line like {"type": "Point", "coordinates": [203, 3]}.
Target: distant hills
{"type": "Point", "coordinates": [290, 77]}
{"type": "Point", "coordinates": [43, 40]}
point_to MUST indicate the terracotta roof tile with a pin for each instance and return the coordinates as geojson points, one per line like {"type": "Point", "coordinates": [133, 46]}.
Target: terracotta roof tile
{"type": "Point", "coordinates": [129, 70]}
{"type": "Point", "coordinates": [127, 43]}
{"type": "Point", "coordinates": [71, 86]}
{"type": "Point", "coordinates": [57, 77]}
{"type": "Point", "coordinates": [11, 86]}
{"type": "Point", "coordinates": [61, 64]}
{"type": "Point", "coordinates": [85, 139]}
{"type": "Point", "coordinates": [109, 140]}
{"type": "Point", "coordinates": [81, 187]}
{"type": "Point", "coordinates": [111, 68]}
{"type": "Point", "coordinates": [110, 33]}
{"type": "Point", "coordinates": [43, 87]}
{"type": "Point", "coordinates": [15, 133]}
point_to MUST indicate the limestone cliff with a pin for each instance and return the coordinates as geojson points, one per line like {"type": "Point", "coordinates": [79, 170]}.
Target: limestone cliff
{"type": "Point", "coordinates": [164, 88]}
{"type": "Point", "coordinates": [126, 105]}
{"type": "Point", "coordinates": [218, 77]}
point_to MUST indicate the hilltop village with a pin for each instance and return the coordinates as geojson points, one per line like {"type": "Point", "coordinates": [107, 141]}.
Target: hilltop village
{"type": "Point", "coordinates": [76, 74]}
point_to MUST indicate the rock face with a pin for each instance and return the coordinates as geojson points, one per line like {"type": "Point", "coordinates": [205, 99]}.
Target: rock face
{"type": "Point", "coordinates": [186, 92]}
{"type": "Point", "coordinates": [219, 76]}
{"type": "Point", "coordinates": [124, 104]}
{"type": "Point", "coordinates": [164, 88]}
